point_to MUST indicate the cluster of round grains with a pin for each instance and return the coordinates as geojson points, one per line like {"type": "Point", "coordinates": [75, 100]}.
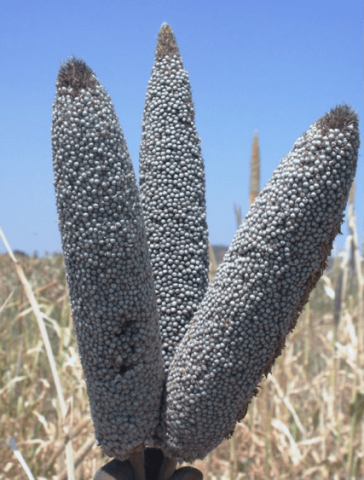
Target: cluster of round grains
{"type": "Point", "coordinates": [172, 192]}
{"type": "Point", "coordinates": [276, 257]}
{"type": "Point", "coordinates": [107, 263]}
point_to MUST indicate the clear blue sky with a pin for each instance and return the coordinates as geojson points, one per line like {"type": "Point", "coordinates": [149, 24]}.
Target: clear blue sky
{"type": "Point", "coordinates": [272, 66]}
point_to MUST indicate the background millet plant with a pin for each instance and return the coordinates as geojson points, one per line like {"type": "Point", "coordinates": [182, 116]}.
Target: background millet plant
{"type": "Point", "coordinates": [287, 446]}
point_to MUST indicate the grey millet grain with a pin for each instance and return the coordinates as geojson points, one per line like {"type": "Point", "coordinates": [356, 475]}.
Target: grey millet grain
{"type": "Point", "coordinates": [276, 258]}
{"type": "Point", "coordinates": [172, 192]}
{"type": "Point", "coordinates": [107, 263]}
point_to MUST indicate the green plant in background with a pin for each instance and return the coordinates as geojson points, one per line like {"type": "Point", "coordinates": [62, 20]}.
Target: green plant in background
{"type": "Point", "coordinates": [217, 356]}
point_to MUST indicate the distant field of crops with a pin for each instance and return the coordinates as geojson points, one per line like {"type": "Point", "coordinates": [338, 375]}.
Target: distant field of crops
{"type": "Point", "coordinates": [306, 422]}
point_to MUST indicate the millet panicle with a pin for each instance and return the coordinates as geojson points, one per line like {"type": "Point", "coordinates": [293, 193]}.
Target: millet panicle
{"type": "Point", "coordinates": [107, 263]}
{"type": "Point", "coordinates": [276, 258]}
{"type": "Point", "coordinates": [172, 193]}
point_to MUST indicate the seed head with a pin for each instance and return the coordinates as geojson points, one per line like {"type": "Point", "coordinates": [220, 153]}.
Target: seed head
{"type": "Point", "coordinates": [276, 258]}
{"type": "Point", "coordinates": [107, 263]}
{"type": "Point", "coordinates": [172, 192]}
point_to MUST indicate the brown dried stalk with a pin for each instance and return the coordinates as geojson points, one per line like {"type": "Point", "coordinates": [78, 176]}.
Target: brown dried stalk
{"type": "Point", "coordinates": [254, 170]}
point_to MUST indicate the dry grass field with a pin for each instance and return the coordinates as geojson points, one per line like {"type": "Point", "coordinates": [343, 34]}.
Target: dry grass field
{"type": "Point", "coordinates": [306, 423]}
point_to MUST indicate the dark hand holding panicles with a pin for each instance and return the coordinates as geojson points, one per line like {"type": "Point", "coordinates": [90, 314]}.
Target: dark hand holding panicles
{"type": "Point", "coordinates": [150, 466]}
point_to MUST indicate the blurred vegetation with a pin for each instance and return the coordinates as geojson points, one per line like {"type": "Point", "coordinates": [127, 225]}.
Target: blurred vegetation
{"type": "Point", "coordinates": [307, 421]}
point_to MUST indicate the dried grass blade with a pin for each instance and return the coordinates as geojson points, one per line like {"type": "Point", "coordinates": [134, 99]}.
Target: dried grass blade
{"type": "Point", "coordinates": [75, 431]}
{"type": "Point", "coordinates": [39, 316]}
{"type": "Point", "coordinates": [345, 264]}
{"type": "Point", "coordinates": [213, 264]}
{"type": "Point", "coordinates": [295, 451]}
{"type": "Point", "coordinates": [46, 286]}
{"type": "Point", "coordinates": [238, 215]}
{"type": "Point", "coordinates": [22, 314]}
{"type": "Point", "coordinates": [354, 232]}
{"type": "Point", "coordinates": [288, 404]}
{"type": "Point", "coordinates": [11, 382]}
{"type": "Point", "coordinates": [6, 303]}
{"type": "Point", "coordinates": [19, 456]}
{"type": "Point", "coordinates": [80, 455]}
